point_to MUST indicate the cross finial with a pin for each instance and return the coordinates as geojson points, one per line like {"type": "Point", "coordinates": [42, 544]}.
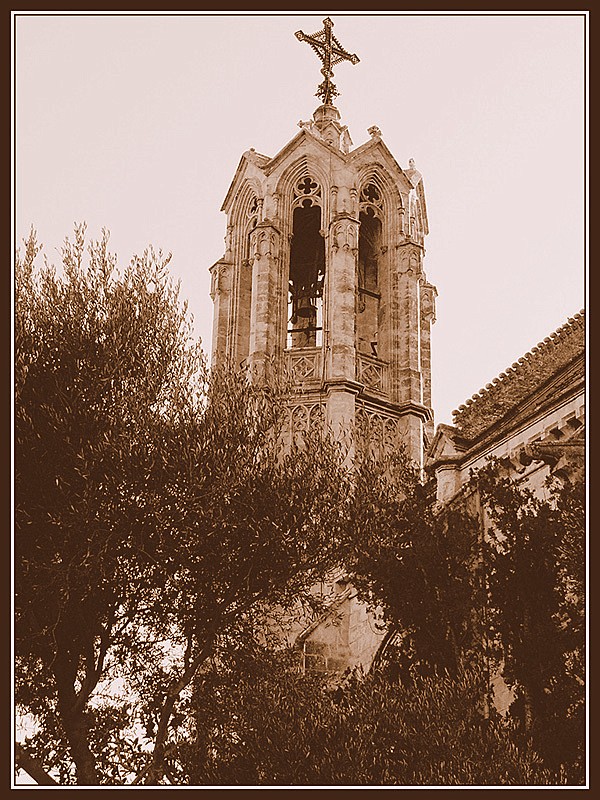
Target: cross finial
{"type": "Point", "coordinates": [331, 52]}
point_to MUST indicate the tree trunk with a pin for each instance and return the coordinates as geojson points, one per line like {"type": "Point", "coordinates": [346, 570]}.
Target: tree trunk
{"type": "Point", "coordinates": [77, 729]}
{"type": "Point", "coordinates": [75, 724]}
{"type": "Point", "coordinates": [156, 769]}
{"type": "Point", "coordinates": [528, 700]}
{"type": "Point", "coordinates": [32, 766]}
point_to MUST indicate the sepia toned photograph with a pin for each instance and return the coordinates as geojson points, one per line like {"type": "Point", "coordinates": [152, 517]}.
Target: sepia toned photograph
{"type": "Point", "coordinates": [299, 358]}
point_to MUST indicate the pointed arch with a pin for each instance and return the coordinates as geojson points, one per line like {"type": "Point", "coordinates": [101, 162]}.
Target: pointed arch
{"type": "Point", "coordinates": [381, 212]}
{"type": "Point", "coordinates": [245, 216]}
{"type": "Point", "coordinates": [303, 192]}
{"type": "Point", "coordinates": [302, 168]}
{"type": "Point", "coordinates": [250, 193]}
{"type": "Point", "coordinates": [378, 175]}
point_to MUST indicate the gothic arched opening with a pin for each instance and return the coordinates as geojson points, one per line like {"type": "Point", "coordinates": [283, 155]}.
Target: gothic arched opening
{"type": "Point", "coordinates": [369, 249]}
{"type": "Point", "coordinates": [306, 274]}
{"type": "Point", "coordinates": [244, 292]}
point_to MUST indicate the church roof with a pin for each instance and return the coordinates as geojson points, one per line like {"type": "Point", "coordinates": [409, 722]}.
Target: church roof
{"type": "Point", "coordinates": [511, 387]}
{"type": "Point", "coordinates": [285, 151]}
{"type": "Point", "coordinates": [447, 435]}
{"type": "Point", "coordinates": [376, 143]}
{"type": "Point", "coordinates": [249, 157]}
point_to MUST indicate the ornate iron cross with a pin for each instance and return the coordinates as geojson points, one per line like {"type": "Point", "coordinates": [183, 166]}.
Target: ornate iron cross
{"type": "Point", "coordinates": [331, 52]}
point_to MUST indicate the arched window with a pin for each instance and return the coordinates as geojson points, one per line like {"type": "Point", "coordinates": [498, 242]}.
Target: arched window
{"type": "Point", "coordinates": [248, 220]}
{"type": "Point", "coordinates": [307, 267]}
{"type": "Point", "coordinates": [251, 223]}
{"type": "Point", "coordinates": [369, 248]}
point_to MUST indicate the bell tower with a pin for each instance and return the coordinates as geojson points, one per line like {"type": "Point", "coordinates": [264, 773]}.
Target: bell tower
{"type": "Point", "coordinates": [323, 277]}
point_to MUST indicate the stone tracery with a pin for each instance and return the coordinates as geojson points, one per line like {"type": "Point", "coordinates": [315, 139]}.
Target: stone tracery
{"type": "Point", "coordinates": [307, 265]}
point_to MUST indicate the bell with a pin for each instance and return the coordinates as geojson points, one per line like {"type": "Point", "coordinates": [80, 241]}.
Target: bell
{"type": "Point", "coordinates": [306, 307]}
{"type": "Point", "coordinates": [307, 311]}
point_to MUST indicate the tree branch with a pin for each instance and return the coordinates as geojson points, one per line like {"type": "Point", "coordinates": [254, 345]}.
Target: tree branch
{"type": "Point", "coordinates": [151, 773]}
{"type": "Point", "coordinates": [32, 767]}
{"type": "Point", "coordinates": [94, 668]}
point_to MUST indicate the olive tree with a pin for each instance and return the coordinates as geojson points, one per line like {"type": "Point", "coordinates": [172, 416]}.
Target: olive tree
{"type": "Point", "coordinates": [155, 512]}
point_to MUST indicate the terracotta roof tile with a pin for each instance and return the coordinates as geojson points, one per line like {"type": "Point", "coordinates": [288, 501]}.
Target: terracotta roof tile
{"type": "Point", "coordinates": [497, 398]}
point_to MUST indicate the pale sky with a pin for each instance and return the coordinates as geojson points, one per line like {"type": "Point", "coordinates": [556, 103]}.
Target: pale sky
{"type": "Point", "coordinates": [137, 123]}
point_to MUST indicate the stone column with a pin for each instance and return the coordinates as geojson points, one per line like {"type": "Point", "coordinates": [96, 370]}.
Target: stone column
{"type": "Point", "coordinates": [341, 298]}
{"type": "Point", "coordinates": [405, 357]}
{"type": "Point", "coordinates": [340, 325]}
{"type": "Point", "coordinates": [385, 334]}
{"type": "Point", "coordinates": [264, 312]}
{"type": "Point", "coordinates": [220, 292]}
{"type": "Point", "coordinates": [428, 295]}
{"type": "Point", "coordinates": [341, 416]}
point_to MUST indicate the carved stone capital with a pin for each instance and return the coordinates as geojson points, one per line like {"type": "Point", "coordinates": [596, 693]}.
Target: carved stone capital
{"type": "Point", "coordinates": [264, 240]}
{"type": "Point", "coordinates": [409, 259]}
{"type": "Point", "coordinates": [344, 234]}
{"type": "Point", "coordinates": [219, 274]}
{"type": "Point", "coordinates": [428, 295]}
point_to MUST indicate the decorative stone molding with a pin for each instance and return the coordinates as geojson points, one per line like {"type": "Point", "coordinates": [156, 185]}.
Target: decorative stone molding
{"type": "Point", "coordinates": [371, 202]}
{"type": "Point", "coordinates": [228, 236]}
{"type": "Point", "coordinates": [345, 235]}
{"type": "Point", "coordinates": [300, 419]}
{"type": "Point", "coordinates": [213, 283]}
{"type": "Point", "coordinates": [253, 208]}
{"type": "Point", "coordinates": [377, 433]}
{"type": "Point", "coordinates": [334, 198]}
{"type": "Point", "coordinates": [270, 206]}
{"type": "Point", "coordinates": [219, 275]}
{"type": "Point", "coordinates": [409, 261]}
{"type": "Point", "coordinates": [258, 211]}
{"type": "Point", "coordinates": [371, 373]}
{"type": "Point", "coordinates": [253, 156]}
{"type": "Point", "coordinates": [428, 295]}
{"type": "Point", "coordinates": [317, 417]}
{"type": "Point", "coordinates": [304, 417]}
{"type": "Point", "coordinates": [354, 207]}
{"type": "Point", "coordinates": [263, 243]}
{"type": "Point", "coordinates": [304, 366]}
{"type": "Point", "coordinates": [307, 192]}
